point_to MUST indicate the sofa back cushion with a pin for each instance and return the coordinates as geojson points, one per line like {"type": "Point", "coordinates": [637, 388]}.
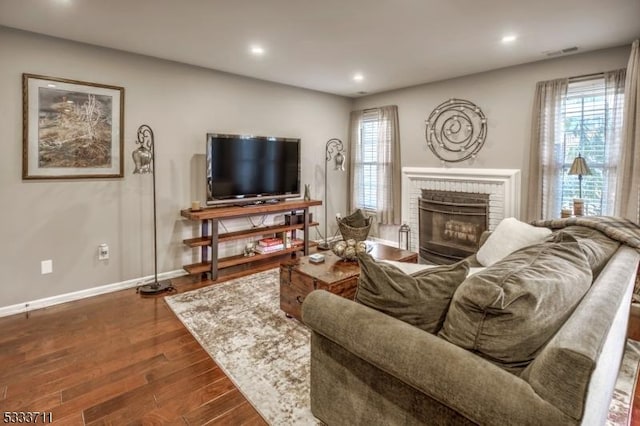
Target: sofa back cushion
{"type": "Point", "coordinates": [507, 312]}
{"type": "Point", "coordinates": [421, 299]}
{"type": "Point", "coordinates": [597, 247]}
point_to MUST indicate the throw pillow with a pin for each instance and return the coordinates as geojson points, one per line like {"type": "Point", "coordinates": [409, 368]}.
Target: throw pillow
{"type": "Point", "coordinates": [421, 299]}
{"type": "Point", "coordinates": [510, 235]}
{"type": "Point", "coordinates": [509, 311]}
{"type": "Point", "coordinates": [356, 219]}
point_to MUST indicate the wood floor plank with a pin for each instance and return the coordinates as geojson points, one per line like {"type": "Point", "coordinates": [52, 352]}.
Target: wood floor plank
{"type": "Point", "coordinates": [178, 364]}
{"type": "Point", "coordinates": [170, 409]}
{"type": "Point", "coordinates": [140, 367]}
{"type": "Point", "coordinates": [97, 396]}
{"type": "Point", "coordinates": [214, 408]}
{"type": "Point", "coordinates": [144, 394]}
{"type": "Point", "coordinates": [74, 419]}
{"type": "Point", "coordinates": [242, 415]}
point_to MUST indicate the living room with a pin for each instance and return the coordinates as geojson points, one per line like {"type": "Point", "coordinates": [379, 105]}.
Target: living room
{"type": "Point", "coordinates": [65, 221]}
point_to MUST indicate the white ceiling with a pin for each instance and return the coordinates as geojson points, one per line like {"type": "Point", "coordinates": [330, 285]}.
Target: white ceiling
{"type": "Point", "coordinates": [320, 45]}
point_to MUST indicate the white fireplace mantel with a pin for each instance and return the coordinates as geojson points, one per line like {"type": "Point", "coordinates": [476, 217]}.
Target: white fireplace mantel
{"type": "Point", "coordinates": [502, 185]}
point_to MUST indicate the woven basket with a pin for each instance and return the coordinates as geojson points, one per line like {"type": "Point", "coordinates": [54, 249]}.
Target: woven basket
{"type": "Point", "coordinates": [350, 232]}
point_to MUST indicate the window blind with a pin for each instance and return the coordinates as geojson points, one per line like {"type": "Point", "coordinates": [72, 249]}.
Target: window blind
{"type": "Point", "coordinates": [368, 176]}
{"type": "Point", "coordinates": [585, 118]}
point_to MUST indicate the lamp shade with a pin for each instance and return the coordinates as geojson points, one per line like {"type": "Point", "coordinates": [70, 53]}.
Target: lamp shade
{"type": "Point", "coordinates": [579, 167]}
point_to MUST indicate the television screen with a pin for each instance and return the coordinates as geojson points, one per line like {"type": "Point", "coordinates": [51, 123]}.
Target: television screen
{"type": "Point", "coordinates": [251, 168]}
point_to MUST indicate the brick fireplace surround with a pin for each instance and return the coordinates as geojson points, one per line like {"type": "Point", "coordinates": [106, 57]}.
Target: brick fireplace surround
{"type": "Point", "coordinates": [502, 186]}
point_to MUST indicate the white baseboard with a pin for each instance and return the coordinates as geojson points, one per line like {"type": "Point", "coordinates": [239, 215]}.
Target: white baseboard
{"type": "Point", "coordinates": [82, 294]}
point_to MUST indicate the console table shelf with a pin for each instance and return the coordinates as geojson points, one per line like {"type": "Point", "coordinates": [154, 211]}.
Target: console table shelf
{"type": "Point", "coordinates": [209, 238]}
{"type": "Point", "coordinates": [206, 241]}
{"type": "Point", "coordinates": [239, 259]}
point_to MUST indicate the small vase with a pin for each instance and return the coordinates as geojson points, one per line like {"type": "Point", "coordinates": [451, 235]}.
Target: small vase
{"type": "Point", "coordinates": [307, 192]}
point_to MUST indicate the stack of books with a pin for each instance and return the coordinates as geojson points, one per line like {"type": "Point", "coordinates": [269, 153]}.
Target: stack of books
{"type": "Point", "coordinates": [269, 245]}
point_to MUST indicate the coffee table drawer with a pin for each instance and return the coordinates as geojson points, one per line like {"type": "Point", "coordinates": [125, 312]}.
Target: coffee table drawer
{"type": "Point", "coordinates": [294, 287]}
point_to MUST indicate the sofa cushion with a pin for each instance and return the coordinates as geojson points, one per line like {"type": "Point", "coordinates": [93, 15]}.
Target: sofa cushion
{"type": "Point", "coordinates": [421, 299]}
{"type": "Point", "coordinates": [507, 312]}
{"type": "Point", "coordinates": [597, 247]}
{"type": "Point", "coordinates": [510, 235]}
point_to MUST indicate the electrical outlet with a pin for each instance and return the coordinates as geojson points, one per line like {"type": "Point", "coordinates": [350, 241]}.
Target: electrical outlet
{"type": "Point", "coordinates": [46, 266]}
{"type": "Point", "coordinates": [103, 252]}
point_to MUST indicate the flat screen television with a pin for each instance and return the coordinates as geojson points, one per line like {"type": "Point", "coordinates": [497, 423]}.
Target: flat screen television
{"type": "Point", "coordinates": [251, 169]}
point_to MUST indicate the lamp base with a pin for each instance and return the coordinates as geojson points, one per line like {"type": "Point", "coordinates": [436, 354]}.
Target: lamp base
{"type": "Point", "coordinates": [578, 207]}
{"type": "Point", "coordinates": [155, 288]}
{"type": "Point", "coordinates": [323, 246]}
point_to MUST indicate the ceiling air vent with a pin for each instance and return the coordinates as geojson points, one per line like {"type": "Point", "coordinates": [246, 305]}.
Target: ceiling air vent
{"type": "Point", "coordinates": [564, 51]}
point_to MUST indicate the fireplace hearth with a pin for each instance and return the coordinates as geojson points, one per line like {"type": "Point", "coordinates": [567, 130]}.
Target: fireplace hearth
{"type": "Point", "coordinates": [450, 224]}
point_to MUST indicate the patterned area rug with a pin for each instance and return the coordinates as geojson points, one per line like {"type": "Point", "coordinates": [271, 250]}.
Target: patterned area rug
{"type": "Point", "coordinates": [621, 403]}
{"type": "Point", "coordinates": [240, 324]}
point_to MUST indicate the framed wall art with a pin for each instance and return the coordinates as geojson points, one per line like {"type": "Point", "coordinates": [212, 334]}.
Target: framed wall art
{"type": "Point", "coordinates": [71, 129]}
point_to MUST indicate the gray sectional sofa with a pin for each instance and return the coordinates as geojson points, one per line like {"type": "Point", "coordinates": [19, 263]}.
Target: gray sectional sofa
{"type": "Point", "coordinates": [370, 368]}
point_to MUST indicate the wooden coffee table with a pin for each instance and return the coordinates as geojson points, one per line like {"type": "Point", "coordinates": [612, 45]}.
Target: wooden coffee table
{"type": "Point", "coordinates": [299, 277]}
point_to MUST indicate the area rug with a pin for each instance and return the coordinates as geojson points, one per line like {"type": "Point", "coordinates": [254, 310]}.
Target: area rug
{"type": "Point", "coordinates": [621, 403]}
{"type": "Point", "coordinates": [240, 324]}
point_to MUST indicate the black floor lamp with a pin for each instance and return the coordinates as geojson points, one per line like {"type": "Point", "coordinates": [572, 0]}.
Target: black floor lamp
{"type": "Point", "coordinates": [144, 159]}
{"type": "Point", "coordinates": [333, 146]}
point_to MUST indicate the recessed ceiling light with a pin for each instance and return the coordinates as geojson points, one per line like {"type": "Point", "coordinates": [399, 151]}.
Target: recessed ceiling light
{"type": "Point", "coordinates": [358, 77]}
{"type": "Point", "coordinates": [509, 38]}
{"type": "Point", "coordinates": [257, 50]}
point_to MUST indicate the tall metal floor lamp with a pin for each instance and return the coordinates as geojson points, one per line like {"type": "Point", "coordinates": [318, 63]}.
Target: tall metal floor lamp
{"type": "Point", "coordinates": [144, 160]}
{"type": "Point", "coordinates": [333, 150]}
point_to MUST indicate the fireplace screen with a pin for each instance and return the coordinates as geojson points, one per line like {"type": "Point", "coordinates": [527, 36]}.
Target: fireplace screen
{"type": "Point", "coordinates": [451, 224]}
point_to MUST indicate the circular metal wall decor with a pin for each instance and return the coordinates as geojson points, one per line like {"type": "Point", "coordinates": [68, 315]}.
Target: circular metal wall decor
{"type": "Point", "coordinates": [456, 130]}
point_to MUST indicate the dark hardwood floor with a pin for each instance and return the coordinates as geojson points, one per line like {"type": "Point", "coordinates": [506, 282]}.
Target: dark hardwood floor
{"type": "Point", "coordinates": [115, 359]}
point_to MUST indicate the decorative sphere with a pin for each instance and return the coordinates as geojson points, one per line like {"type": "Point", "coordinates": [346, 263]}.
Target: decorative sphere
{"type": "Point", "coordinates": [350, 252]}
{"type": "Point", "coordinates": [361, 247]}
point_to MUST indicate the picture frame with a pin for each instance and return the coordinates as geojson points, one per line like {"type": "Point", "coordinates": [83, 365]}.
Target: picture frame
{"type": "Point", "coordinates": [71, 129]}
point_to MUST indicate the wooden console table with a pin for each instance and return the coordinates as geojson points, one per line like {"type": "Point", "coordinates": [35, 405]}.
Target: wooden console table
{"type": "Point", "coordinates": [209, 237]}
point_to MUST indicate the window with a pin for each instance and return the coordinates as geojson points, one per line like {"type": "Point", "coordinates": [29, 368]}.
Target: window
{"type": "Point", "coordinates": [585, 116]}
{"type": "Point", "coordinates": [581, 115]}
{"type": "Point", "coordinates": [367, 168]}
{"type": "Point", "coordinates": [375, 163]}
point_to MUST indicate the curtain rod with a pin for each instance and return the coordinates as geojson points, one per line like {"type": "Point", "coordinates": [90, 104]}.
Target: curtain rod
{"type": "Point", "coordinates": [586, 76]}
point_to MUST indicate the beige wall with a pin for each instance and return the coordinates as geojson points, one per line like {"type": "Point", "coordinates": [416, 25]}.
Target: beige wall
{"type": "Point", "coordinates": [506, 98]}
{"type": "Point", "coordinates": [66, 220]}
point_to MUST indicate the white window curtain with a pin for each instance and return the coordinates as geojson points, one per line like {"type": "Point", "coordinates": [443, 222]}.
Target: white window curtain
{"type": "Point", "coordinates": [375, 172]}
{"type": "Point", "coordinates": [614, 101]}
{"type": "Point", "coordinates": [628, 202]}
{"type": "Point", "coordinates": [544, 200]}
{"type": "Point", "coordinates": [571, 117]}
